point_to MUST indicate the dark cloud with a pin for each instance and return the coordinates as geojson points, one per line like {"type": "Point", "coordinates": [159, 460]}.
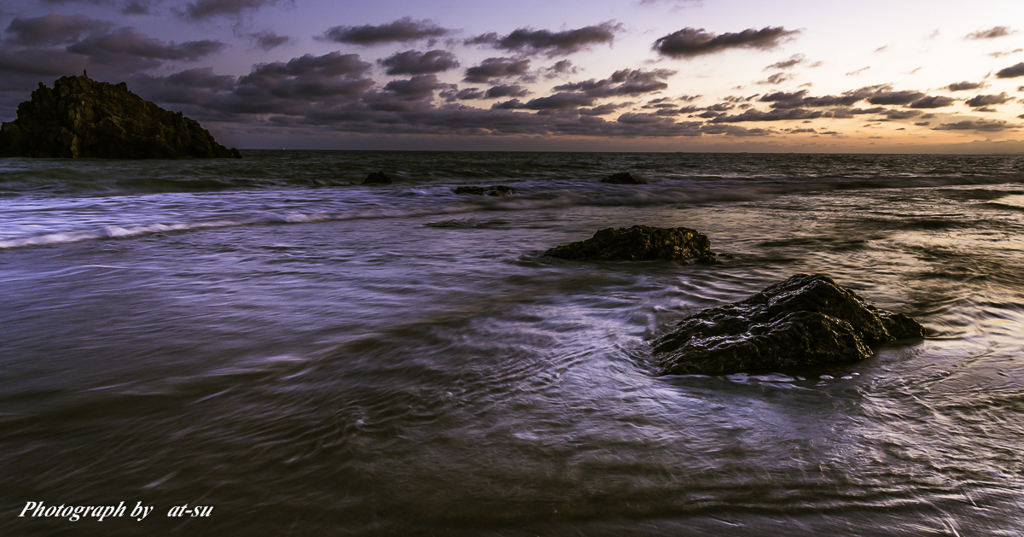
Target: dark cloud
{"type": "Point", "coordinates": [417, 87]}
{"type": "Point", "coordinates": [413, 62]}
{"type": "Point", "coordinates": [622, 82]}
{"type": "Point", "coordinates": [734, 130]}
{"type": "Point", "coordinates": [496, 68]}
{"type": "Point", "coordinates": [191, 87]}
{"type": "Point", "coordinates": [268, 40]}
{"type": "Point", "coordinates": [988, 100]}
{"type": "Point", "coordinates": [306, 79]}
{"type": "Point", "coordinates": [773, 115]}
{"type": "Point", "coordinates": [964, 86]}
{"type": "Point", "coordinates": [983, 125]}
{"type": "Point", "coordinates": [528, 40]}
{"type": "Point", "coordinates": [799, 99]}
{"type": "Point", "coordinates": [123, 42]}
{"type": "Point", "coordinates": [560, 101]}
{"type": "Point", "coordinates": [601, 110]}
{"type": "Point", "coordinates": [207, 9]}
{"type": "Point", "coordinates": [992, 33]}
{"type": "Point", "coordinates": [563, 67]}
{"type": "Point", "coordinates": [858, 71]}
{"type": "Point", "coordinates": [777, 78]}
{"type": "Point", "coordinates": [793, 60]}
{"type": "Point", "coordinates": [52, 29]}
{"type": "Point", "coordinates": [399, 31]}
{"type": "Point", "coordinates": [895, 97]}
{"type": "Point", "coordinates": [513, 90]}
{"type": "Point", "coordinates": [1012, 71]}
{"type": "Point", "coordinates": [690, 42]}
{"type": "Point", "coordinates": [139, 7]}
{"type": "Point", "coordinates": [937, 101]}
{"type": "Point", "coordinates": [902, 114]}
{"type": "Point", "coordinates": [846, 113]}
{"type": "Point", "coordinates": [33, 63]}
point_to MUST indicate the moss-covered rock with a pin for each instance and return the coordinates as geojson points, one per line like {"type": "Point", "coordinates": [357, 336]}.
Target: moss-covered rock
{"type": "Point", "coordinates": [640, 243]}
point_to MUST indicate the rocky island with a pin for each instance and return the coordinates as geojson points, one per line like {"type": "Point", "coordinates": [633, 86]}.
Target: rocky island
{"type": "Point", "coordinates": [83, 118]}
{"type": "Point", "coordinates": [803, 321]}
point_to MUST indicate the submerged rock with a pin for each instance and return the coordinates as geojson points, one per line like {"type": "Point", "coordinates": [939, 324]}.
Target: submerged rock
{"type": "Point", "coordinates": [806, 320]}
{"type": "Point", "coordinates": [81, 118]}
{"type": "Point", "coordinates": [377, 178]}
{"type": "Point", "coordinates": [641, 243]}
{"type": "Point", "coordinates": [623, 178]}
{"type": "Point", "coordinates": [498, 190]}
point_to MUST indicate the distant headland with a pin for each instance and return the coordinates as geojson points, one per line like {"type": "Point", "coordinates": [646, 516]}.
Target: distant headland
{"type": "Point", "coordinates": [83, 118]}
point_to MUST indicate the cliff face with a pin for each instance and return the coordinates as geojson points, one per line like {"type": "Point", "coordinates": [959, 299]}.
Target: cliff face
{"type": "Point", "coordinates": [82, 118]}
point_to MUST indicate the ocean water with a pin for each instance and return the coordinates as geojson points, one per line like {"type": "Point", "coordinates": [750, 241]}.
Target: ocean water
{"type": "Point", "coordinates": [311, 356]}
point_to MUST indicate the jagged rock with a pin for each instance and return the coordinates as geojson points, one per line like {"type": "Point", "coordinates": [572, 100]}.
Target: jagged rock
{"type": "Point", "coordinates": [803, 321]}
{"type": "Point", "coordinates": [498, 190]}
{"type": "Point", "coordinates": [641, 243]}
{"type": "Point", "coordinates": [81, 118]}
{"type": "Point", "coordinates": [623, 178]}
{"type": "Point", "coordinates": [377, 178]}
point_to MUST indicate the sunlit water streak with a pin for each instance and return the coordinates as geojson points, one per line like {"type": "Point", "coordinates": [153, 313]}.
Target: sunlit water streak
{"type": "Point", "coordinates": [313, 356]}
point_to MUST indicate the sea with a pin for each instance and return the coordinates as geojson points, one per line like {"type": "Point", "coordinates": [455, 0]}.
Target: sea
{"type": "Point", "coordinates": [267, 346]}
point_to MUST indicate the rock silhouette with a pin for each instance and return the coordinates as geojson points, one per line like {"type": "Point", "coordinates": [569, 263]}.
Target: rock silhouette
{"type": "Point", "coordinates": [83, 118]}
{"type": "Point", "coordinates": [623, 178]}
{"type": "Point", "coordinates": [803, 321]}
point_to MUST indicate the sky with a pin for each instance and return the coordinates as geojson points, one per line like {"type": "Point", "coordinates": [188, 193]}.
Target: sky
{"type": "Point", "coordinates": [904, 76]}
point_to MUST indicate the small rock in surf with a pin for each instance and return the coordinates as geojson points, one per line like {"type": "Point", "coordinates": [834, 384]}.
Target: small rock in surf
{"type": "Point", "coordinates": [377, 178]}
{"type": "Point", "coordinates": [623, 178]}
{"type": "Point", "coordinates": [641, 243]}
{"type": "Point", "coordinates": [498, 190]}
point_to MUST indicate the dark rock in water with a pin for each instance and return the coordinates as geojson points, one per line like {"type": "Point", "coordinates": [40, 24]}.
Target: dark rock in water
{"type": "Point", "coordinates": [806, 320]}
{"type": "Point", "coordinates": [83, 118]}
{"type": "Point", "coordinates": [623, 178]}
{"type": "Point", "coordinates": [377, 178]}
{"type": "Point", "coordinates": [499, 190]}
{"type": "Point", "coordinates": [641, 243]}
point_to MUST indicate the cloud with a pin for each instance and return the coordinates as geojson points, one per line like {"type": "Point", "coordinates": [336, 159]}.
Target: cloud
{"type": "Point", "coordinates": [417, 87]}
{"type": "Point", "coordinates": [563, 67]}
{"type": "Point", "coordinates": [128, 42]}
{"type": "Point", "coordinates": [513, 90]}
{"type": "Point", "coordinates": [799, 99]}
{"type": "Point", "coordinates": [777, 78]}
{"type": "Point", "coordinates": [495, 68]}
{"type": "Point", "coordinates": [1006, 53]}
{"type": "Point", "coordinates": [991, 33]}
{"type": "Point", "coordinates": [1012, 71]}
{"type": "Point", "coordinates": [622, 82]}
{"type": "Point", "coordinates": [895, 97]}
{"type": "Point", "coordinates": [207, 9]}
{"type": "Point", "coordinates": [399, 31]}
{"type": "Point", "coordinates": [307, 79]}
{"type": "Point", "coordinates": [690, 42]}
{"type": "Point", "coordinates": [268, 40]}
{"type": "Point", "coordinates": [53, 29]}
{"type": "Point", "coordinates": [528, 40]}
{"type": "Point", "coordinates": [964, 86]}
{"type": "Point", "coordinates": [412, 62]}
{"type": "Point", "coordinates": [984, 125]}
{"type": "Point", "coordinates": [937, 101]}
{"type": "Point", "coordinates": [734, 130]}
{"type": "Point", "coordinates": [557, 101]}
{"type": "Point", "coordinates": [902, 114]}
{"type": "Point", "coordinates": [988, 100]}
{"type": "Point", "coordinates": [793, 61]}
{"type": "Point", "coordinates": [773, 115]}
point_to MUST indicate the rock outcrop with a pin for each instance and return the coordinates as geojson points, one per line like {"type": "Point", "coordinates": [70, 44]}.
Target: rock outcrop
{"type": "Point", "coordinates": [83, 118]}
{"type": "Point", "coordinates": [641, 243]}
{"type": "Point", "coordinates": [377, 178]}
{"type": "Point", "coordinates": [623, 178]}
{"type": "Point", "coordinates": [497, 190]}
{"type": "Point", "coordinates": [804, 321]}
